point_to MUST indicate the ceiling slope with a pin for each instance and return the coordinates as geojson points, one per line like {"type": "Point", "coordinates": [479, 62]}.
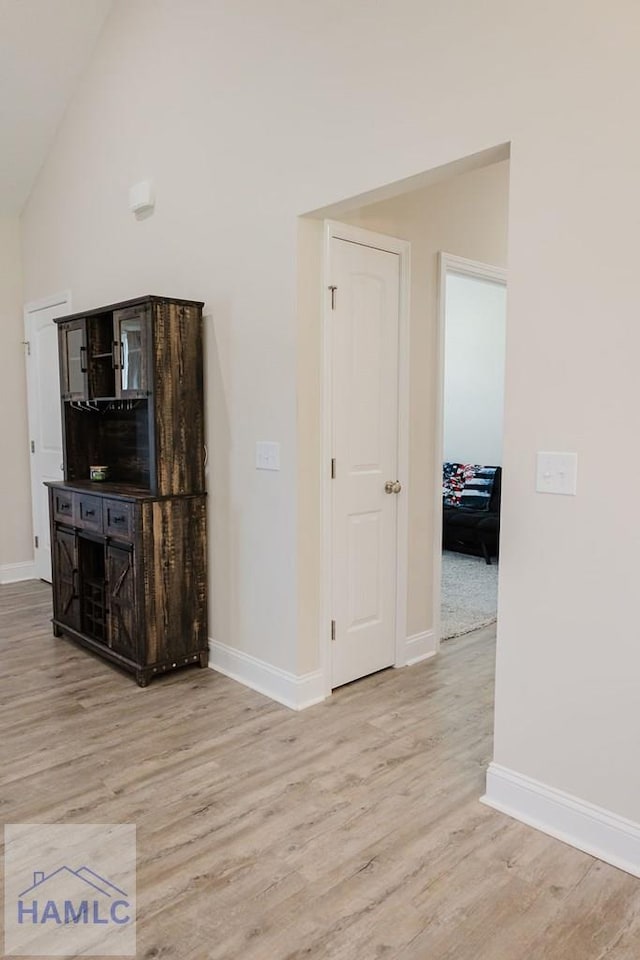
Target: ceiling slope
{"type": "Point", "coordinates": [44, 47]}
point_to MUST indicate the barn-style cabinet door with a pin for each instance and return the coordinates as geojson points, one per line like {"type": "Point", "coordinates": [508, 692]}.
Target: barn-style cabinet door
{"type": "Point", "coordinates": [120, 582]}
{"type": "Point", "coordinates": [66, 596]}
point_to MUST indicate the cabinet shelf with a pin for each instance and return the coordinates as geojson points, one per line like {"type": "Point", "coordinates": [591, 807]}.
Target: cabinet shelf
{"type": "Point", "coordinates": [121, 436]}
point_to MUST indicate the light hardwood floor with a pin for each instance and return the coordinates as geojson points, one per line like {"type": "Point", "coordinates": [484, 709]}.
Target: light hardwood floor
{"type": "Point", "coordinates": [351, 830]}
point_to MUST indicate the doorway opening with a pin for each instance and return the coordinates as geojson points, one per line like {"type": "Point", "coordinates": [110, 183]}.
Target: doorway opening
{"type": "Point", "coordinates": [472, 320]}
{"type": "Point", "coordinates": [463, 209]}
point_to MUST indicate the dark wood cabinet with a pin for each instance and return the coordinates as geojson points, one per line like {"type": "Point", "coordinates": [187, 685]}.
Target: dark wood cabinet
{"type": "Point", "coordinates": [129, 554]}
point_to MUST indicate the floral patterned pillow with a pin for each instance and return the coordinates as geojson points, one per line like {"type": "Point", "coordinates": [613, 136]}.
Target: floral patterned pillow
{"type": "Point", "coordinates": [467, 485]}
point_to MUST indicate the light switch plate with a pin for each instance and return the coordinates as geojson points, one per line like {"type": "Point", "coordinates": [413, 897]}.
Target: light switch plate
{"type": "Point", "coordinates": [267, 455]}
{"type": "Point", "coordinates": [557, 473]}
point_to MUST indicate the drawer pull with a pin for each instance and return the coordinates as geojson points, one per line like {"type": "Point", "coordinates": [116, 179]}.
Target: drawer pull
{"type": "Point", "coordinates": [89, 513]}
{"type": "Point", "coordinates": [119, 519]}
{"type": "Point", "coordinates": [64, 507]}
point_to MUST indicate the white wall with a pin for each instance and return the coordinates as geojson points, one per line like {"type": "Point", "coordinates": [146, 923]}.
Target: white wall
{"type": "Point", "coordinates": [247, 115]}
{"type": "Point", "coordinates": [16, 545]}
{"type": "Point", "coordinates": [44, 47]}
{"type": "Point", "coordinates": [474, 357]}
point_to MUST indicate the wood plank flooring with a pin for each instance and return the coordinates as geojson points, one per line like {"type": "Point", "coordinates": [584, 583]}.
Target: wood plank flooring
{"type": "Point", "coordinates": [350, 831]}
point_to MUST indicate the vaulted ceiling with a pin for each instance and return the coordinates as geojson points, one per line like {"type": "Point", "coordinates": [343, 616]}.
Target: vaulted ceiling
{"type": "Point", "coordinates": [44, 47]}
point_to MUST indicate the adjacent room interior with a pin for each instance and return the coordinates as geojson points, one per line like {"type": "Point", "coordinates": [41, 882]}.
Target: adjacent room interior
{"type": "Point", "coordinates": [473, 313]}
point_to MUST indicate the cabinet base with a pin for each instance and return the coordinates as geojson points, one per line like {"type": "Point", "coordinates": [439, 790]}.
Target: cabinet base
{"type": "Point", "coordinates": [143, 673]}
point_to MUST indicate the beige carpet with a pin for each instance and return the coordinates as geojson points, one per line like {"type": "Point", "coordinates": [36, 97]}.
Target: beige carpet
{"type": "Point", "coordinates": [469, 593]}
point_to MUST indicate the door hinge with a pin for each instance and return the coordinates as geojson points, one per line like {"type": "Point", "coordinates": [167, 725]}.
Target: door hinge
{"type": "Point", "coordinates": [333, 630]}
{"type": "Point", "coordinates": [33, 446]}
{"type": "Point", "coordinates": [333, 468]}
{"type": "Point", "coordinates": [37, 542]}
{"type": "Point", "coordinates": [27, 344]}
{"type": "Point", "coordinates": [333, 297]}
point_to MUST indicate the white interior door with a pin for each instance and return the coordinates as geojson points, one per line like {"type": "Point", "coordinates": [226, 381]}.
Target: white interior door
{"type": "Point", "coordinates": [43, 388]}
{"type": "Point", "coordinates": [364, 336]}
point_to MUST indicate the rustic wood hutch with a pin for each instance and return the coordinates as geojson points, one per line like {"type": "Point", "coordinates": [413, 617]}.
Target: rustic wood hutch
{"type": "Point", "coordinates": [129, 555]}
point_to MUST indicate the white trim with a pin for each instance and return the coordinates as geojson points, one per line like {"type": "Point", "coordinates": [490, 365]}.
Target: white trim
{"type": "Point", "coordinates": [583, 825]}
{"type": "Point", "coordinates": [45, 303]}
{"type": "Point", "coordinates": [419, 647]}
{"type": "Point", "coordinates": [294, 692]}
{"type": "Point", "coordinates": [472, 268]}
{"type": "Point", "coordinates": [15, 572]}
{"type": "Point", "coordinates": [367, 238]}
{"type": "Point", "coordinates": [448, 263]}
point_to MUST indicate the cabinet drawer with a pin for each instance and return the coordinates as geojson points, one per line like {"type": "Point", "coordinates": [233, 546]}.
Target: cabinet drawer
{"type": "Point", "coordinates": [89, 512]}
{"type": "Point", "coordinates": [62, 506]}
{"type": "Point", "coordinates": [118, 519]}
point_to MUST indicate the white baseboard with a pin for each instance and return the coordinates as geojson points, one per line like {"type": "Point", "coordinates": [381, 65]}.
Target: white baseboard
{"type": "Point", "coordinates": [418, 647]}
{"type": "Point", "coordinates": [287, 688]}
{"type": "Point", "coordinates": [596, 831]}
{"type": "Point", "coordinates": [14, 572]}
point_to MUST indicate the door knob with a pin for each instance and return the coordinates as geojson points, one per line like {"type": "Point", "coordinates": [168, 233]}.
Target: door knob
{"type": "Point", "coordinates": [392, 486]}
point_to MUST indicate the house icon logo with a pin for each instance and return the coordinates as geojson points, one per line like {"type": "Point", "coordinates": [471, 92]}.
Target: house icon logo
{"type": "Point", "coordinates": [70, 890]}
{"type": "Point", "coordinates": [68, 896]}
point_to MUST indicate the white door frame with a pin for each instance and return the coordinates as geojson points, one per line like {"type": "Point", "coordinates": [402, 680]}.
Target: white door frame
{"type": "Point", "coordinates": [342, 231]}
{"type": "Point", "coordinates": [448, 263]}
{"type": "Point", "coordinates": [62, 300]}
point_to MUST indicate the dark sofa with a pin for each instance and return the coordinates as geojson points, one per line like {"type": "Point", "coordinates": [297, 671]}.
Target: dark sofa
{"type": "Point", "coordinates": [474, 531]}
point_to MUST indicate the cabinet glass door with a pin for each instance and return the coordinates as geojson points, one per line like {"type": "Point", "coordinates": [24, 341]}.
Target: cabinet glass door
{"type": "Point", "coordinates": [74, 360]}
{"type": "Point", "coordinates": [131, 346]}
